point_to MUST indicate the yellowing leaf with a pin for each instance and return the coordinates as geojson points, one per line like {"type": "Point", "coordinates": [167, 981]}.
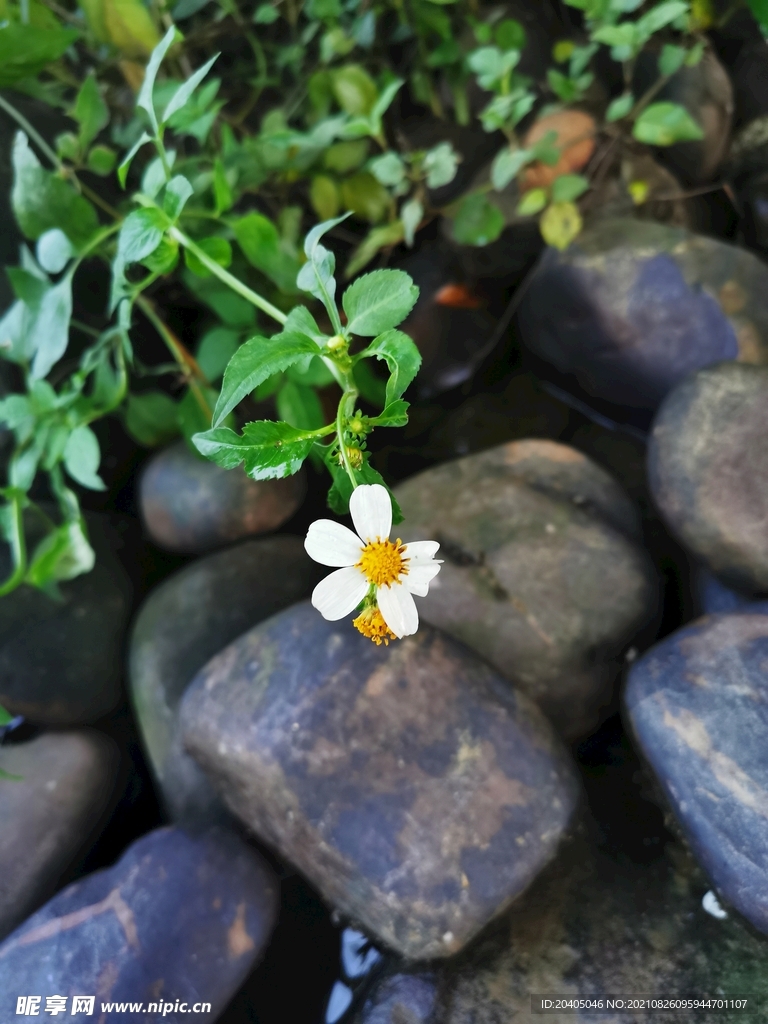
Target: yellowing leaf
{"type": "Point", "coordinates": [639, 191]}
{"type": "Point", "coordinates": [560, 224]}
{"type": "Point", "coordinates": [125, 24]}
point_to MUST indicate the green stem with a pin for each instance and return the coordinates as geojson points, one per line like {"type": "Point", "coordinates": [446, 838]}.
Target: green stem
{"type": "Point", "coordinates": [18, 544]}
{"type": "Point", "coordinates": [33, 133]}
{"type": "Point", "coordinates": [346, 404]}
{"type": "Point", "coordinates": [228, 279]}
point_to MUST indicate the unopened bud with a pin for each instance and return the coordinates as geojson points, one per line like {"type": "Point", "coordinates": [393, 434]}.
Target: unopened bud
{"type": "Point", "coordinates": [337, 342]}
{"type": "Point", "coordinates": [355, 456]}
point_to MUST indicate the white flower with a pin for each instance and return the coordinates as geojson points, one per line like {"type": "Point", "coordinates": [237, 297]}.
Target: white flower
{"type": "Point", "coordinates": [371, 566]}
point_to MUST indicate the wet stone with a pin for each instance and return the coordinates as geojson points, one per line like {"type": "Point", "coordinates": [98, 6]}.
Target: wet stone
{"type": "Point", "coordinates": [411, 786]}
{"type": "Point", "coordinates": [183, 623]}
{"type": "Point", "coordinates": [633, 307]}
{"type": "Point", "coordinates": [179, 917]}
{"type": "Point", "coordinates": [542, 572]}
{"type": "Point", "coordinates": [708, 471]}
{"type": "Point", "coordinates": [697, 703]}
{"type": "Point", "coordinates": [64, 783]}
{"type": "Point", "coordinates": [61, 660]}
{"type": "Point", "coordinates": [589, 926]}
{"type": "Point", "coordinates": [190, 506]}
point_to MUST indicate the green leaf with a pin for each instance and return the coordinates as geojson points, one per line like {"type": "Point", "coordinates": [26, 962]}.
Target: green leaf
{"type": "Point", "coordinates": [141, 233]}
{"type": "Point", "coordinates": [365, 196]}
{"type": "Point", "coordinates": [182, 95]}
{"type": "Point", "coordinates": [216, 349]}
{"type": "Point", "coordinates": [402, 358]}
{"type": "Point", "coordinates": [25, 50]}
{"type": "Point", "coordinates": [568, 187]}
{"type": "Point", "coordinates": [560, 224]}
{"type": "Point", "coordinates": [315, 374]}
{"type": "Point", "coordinates": [177, 192]}
{"type": "Point", "coordinates": [324, 196]}
{"type": "Point", "coordinates": [411, 214]}
{"type": "Point", "coordinates": [62, 555]}
{"type": "Point", "coordinates": [90, 111]}
{"type": "Point", "coordinates": [507, 164]}
{"type": "Point", "coordinates": [54, 250]}
{"type": "Point", "coordinates": [371, 387]}
{"type": "Point", "coordinates": [269, 450]}
{"type": "Point", "coordinates": [759, 9]}
{"type": "Point", "coordinates": [388, 168]}
{"type": "Point", "coordinates": [151, 419]}
{"type": "Point", "coordinates": [82, 458]}
{"type": "Point", "coordinates": [532, 202]}
{"type": "Point", "coordinates": [259, 239]}
{"type": "Point", "coordinates": [478, 221]}
{"type": "Point", "coordinates": [355, 90]}
{"type": "Point", "coordinates": [222, 192]}
{"type": "Point", "coordinates": [231, 308]}
{"type": "Point", "coordinates": [298, 405]}
{"type": "Point", "coordinates": [144, 99]}
{"type": "Point", "coordinates": [42, 200]}
{"type": "Point", "coordinates": [301, 321]}
{"type": "Point", "coordinates": [344, 157]}
{"type": "Point", "coordinates": [49, 330]}
{"type": "Point", "coordinates": [491, 65]}
{"type": "Point", "coordinates": [394, 415]}
{"type": "Point", "coordinates": [101, 160]}
{"type": "Point", "coordinates": [341, 491]}
{"type": "Point", "coordinates": [379, 300]}
{"type": "Point", "coordinates": [316, 276]}
{"type": "Point", "coordinates": [266, 14]}
{"type": "Point", "coordinates": [253, 362]}
{"type": "Point", "coordinates": [663, 124]}
{"type": "Point", "coordinates": [191, 415]}
{"type": "Point", "coordinates": [659, 17]}
{"type": "Point", "coordinates": [122, 170]}
{"type": "Point", "coordinates": [620, 107]}
{"type": "Point", "coordinates": [509, 35]}
{"type": "Point", "coordinates": [218, 249]}
{"type": "Point", "coordinates": [440, 165]}
{"type": "Point", "coordinates": [671, 58]}
{"type": "Point", "coordinates": [5, 717]}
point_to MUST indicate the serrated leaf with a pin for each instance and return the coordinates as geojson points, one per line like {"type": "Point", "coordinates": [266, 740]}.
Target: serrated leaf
{"type": "Point", "coordinates": [664, 124]}
{"type": "Point", "coordinates": [255, 361]}
{"type": "Point", "coordinates": [269, 450]}
{"type": "Point", "coordinates": [177, 192]}
{"type": "Point", "coordinates": [144, 99]}
{"type": "Point", "coordinates": [301, 321]}
{"type": "Point", "coordinates": [82, 458]}
{"type": "Point", "coordinates": [378, 301]}
{"type": "Point", "coordinates": [402, 358]}
{"type": "Point", "coordinates": [184, 92]}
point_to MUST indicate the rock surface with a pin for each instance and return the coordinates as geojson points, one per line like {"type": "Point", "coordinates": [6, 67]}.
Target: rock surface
{"type": "Point", "coordinates": [632, 307]}
{"type": "Point", "coordinates": [183, 623]}
{"type": "Point", "coordinates": [61, 661]}
{"type": "Point", "coordinates": [589, 926]}
{"type": "Point", "coordinates": [65, 781]}
{"type": "Point", "coordinates": [408, 783]}
{"type": "Point", "coordinates": [191, 506]}
{"type": "Point", "coordinates": [541, 572]}
{"type": "Point", "coordinates": [708, 470]}
{"type": "Point", "coordinates": [179, 917]}
{"type": "Point", "coordinates": [698, 705]}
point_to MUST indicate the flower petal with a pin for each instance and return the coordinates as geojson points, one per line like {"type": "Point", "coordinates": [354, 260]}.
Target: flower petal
{"type": "Point", "coordinates": [420, 576]}
{"type": "Point", "coordinates": [398, 609]}
{"type": "Point", "coordinates": [371, 510]}
{"type": "Point", "coordinates": [340, 593]}
{"type": "Point", "coordinates": [331, 543]}
{"type": "Point", "coordinates": [421, 550]}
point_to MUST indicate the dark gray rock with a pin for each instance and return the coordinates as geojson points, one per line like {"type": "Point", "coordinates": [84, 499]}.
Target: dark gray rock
{"type": "Point", "coordinates": [542, 574]}
{"type": "Point", "coordinates": [708, 470]}
{"type": "Point", "coordinates": [632, 307]}
{"type": "Point", "coordinates": [61, 660]}
{"type": "Point", "coordinates": [189, 505]}
{"type": "Point", "coordinates": [179, 917]}
{"type": "Point", "coordinates": [64, 783]}
{"type": "Point", "coordinates": [416, 791]}
{"type": "Point", "coordinates": [183, 623]}
{"type": "Point", "coordinates": [712, 598]}
{"type": "Point", "coordinates": [588, 927]}
{"type": "Point", "coordinates": [698, 704]}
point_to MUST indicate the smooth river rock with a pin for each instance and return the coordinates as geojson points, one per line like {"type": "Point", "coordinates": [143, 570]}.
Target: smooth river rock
{"type": "Point", "coordinates": [179, 917]}
{"type": "Point", "coordinates": [708, 471]}
{"type": "Point", "coordinates": [542, 573]}
{"type": "Point", "coordinates": [698, 705]}
{"type": "Point", "coordinates": [412, 787]}
{"type": "Point", "coordinates": [191, 506]}
{"type": "Point", "coordinates": [63, 784]}
{"type": "Point", "coordinates": [632, 307]}
{"type": "Point", "coordinates": [61, 660]}
{"type": "Point", "coordinates": [590, 926]}
{"type": "Point", "coordinates": [185, 621]}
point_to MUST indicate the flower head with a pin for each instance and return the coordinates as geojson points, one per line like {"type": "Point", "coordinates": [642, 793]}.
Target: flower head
{"type": "Point", "coordinates": [379, 573]}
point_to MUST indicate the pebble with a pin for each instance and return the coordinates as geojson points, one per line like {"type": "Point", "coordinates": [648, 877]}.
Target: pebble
{"type": "Point", "coordinates": [414, 789]}
{"type": "Point", "coordinates": [633, 307]}
{"type": "Point", "coordinates": [542, 573]}
{"type": "Point", "coordinates": [191, 506]}
{"type": "Point", "coordinates": [180, 917]}
{"type": "Point", "coordinates": [63, 784]}
{"type": "Point", "coordinates": [708, 471]}
{"type": "Point", "coordinates": [185, 621]}
{"type": "Point", "coordinates": [698, 705]}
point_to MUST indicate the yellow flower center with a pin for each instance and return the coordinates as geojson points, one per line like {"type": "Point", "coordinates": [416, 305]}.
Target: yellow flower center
{"type": "Point", "coordinates": [382, 561]}
{"type": "Point", "coordinates": [370, 622]}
